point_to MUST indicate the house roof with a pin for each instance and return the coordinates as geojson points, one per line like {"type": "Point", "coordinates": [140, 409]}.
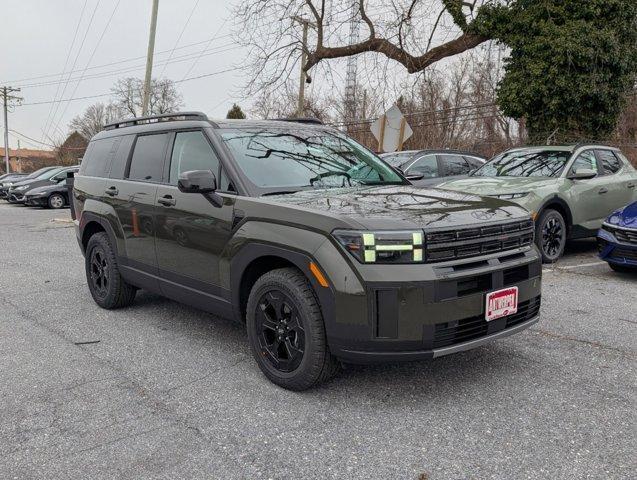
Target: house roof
{"type": "Point", "coordinates": [28, 152]}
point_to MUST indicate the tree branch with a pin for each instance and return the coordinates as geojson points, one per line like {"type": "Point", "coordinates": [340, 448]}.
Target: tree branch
{"type": "Point", "coordinates": [383, 46]}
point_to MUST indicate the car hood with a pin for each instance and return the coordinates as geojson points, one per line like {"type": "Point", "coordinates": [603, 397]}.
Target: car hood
{"type": "Point", "coordinates": [398, 207]}
{"type": "Point", "coordinates": [26, 182]}
{"type": "Point", "coordinates": [625, 217]}
{"type": "Point", "coordinates": [498, 185]}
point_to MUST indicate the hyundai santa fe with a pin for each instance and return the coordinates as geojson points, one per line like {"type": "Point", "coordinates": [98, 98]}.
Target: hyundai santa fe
{"type": "Point", "coordinates": [322, 250]}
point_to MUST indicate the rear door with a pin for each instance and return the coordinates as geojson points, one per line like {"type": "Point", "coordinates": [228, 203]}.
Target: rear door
{"type": "Point", "coordinates": [133, 201]}
{"type": "Point", "coordinates": [619, 179]}
{"type": "Point", "coordinates": [589, 201]}
{"type": "Point", "coordinates": [191, 233]}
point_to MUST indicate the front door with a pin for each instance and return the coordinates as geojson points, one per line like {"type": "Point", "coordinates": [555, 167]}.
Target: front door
{"type": "Point", "coordinates": [191, 232]}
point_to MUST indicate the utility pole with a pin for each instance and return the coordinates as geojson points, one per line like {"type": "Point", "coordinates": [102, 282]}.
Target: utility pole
{"type": "Point", "coordinates": [350, 75]}
{"type": "Point", "coordinates": [149, 58]}
{"type": "Point", "coordinates": [306, 25]}
{"type": "Point", "coordinates": [6, 98]}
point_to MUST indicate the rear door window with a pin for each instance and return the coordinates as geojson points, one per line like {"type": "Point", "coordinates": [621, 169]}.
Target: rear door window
{"type": "Point", "coordinates": [147, 162]}
{"type": "Point", "coordinates": [609, 162]}
{"type": "Point", "coordinates": [191, 151]}
{"type": "Point", "coordinates": [455, 165]}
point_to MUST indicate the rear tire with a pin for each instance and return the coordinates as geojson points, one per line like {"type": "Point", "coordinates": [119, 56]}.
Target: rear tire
{"type": "Point", "coordinates": [56, 201]}
{"type": "Point", "coordinates": [286, 331]}
{"type": "Point", "coordinates": [550, 235]}
{"type": "Point", "coordinates": [108, 288]}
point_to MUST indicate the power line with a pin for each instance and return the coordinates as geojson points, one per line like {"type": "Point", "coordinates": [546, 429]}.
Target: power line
{"type": "Point", "coordinates": [99, 41]}
{"type": "Point", "coordinates": [179, 37]}
{"type": "Point", "coordinates": [207, 45]}
{"type": "Point", "coordinates": [178, 59]}
{"type": "Point", "coordinates": [15, 132]}
{"type": "Point", "coordinates": [45, 102]}
{"type": "Point", "coordinates": [68, 56]}
{"type": "Point", "coordinates": [118, 62]}
{"type": "Point", "coordinates": [54, 108]}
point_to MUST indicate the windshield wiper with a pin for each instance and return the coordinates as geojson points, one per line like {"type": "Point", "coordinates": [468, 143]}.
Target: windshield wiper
{"type": "Point", "coordinates": [321, 176]}
{"type": "Point", "coordinates": [279, 192]}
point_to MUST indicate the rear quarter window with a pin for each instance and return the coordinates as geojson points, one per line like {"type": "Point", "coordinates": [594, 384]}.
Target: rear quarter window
{"type": "Point", "coordinates": [98, 157]}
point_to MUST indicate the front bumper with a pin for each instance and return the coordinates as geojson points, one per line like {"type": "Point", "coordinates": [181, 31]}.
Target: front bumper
{"type": "Point", "coordinates": [612, 250]}
{"type": "Point", "coordinates": [36, 201]}
{"type": "Point", "coordinates": [16, 197]}
{"type": "Point", "coordinates": [392, 313]}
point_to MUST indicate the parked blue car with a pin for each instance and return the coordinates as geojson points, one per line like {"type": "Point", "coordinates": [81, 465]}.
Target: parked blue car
{"type": "Point", "coordinates": [617, 239]}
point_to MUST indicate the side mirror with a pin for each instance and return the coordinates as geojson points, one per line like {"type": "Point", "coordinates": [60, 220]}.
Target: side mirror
{"type": "Point", "coordinates": [197, 181]}
{"type": "Point", "coordinates": [582, 174]}
{"type": "Point", "coordinates": [414, 175]}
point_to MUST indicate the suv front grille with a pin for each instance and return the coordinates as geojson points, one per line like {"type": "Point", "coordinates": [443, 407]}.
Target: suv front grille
{"type": "Point", "coordinates": [623, 236]}
{"type": "Point", "coordinates": [471, 242]}
{"type": "Point", "coordinates": [452, 333]}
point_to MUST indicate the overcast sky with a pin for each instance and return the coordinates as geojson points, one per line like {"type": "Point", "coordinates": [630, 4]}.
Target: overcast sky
{"type": "Point", "coordinates": [36, 36]}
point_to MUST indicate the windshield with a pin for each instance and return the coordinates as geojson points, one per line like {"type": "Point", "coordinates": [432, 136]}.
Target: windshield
{"type": "Point", "coordinates": [303, 158]}
{"type": "Point", "coordinates": [525, 163]}
{"type": "Point", "coordinates": [37, 173]}
{"type": "Point", "coordinates": [49, 173]}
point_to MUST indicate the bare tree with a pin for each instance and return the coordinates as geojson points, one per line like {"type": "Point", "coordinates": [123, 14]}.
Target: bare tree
{"type": "Point", "coordinates": [93, 119]}
{"type": "Point", "coordinates": [128, 95]}
{"type": "Point", "coordinates": [282, 102]}
{"type": "Point", "coordinates": [414, 33]}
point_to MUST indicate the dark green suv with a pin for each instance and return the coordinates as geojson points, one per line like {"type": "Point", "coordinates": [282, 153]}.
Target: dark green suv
{"type": "Point", "coordinates": [325, 252]}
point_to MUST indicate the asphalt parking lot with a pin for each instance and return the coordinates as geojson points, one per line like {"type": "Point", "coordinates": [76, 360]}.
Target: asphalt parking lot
{"type": "Point", "coordinates": [161, 390]}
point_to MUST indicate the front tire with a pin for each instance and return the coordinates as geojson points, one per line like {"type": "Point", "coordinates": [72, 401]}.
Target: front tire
{"type": "Point", "coordinates": [108, 288]}
{"type": "Point", "coordinates": [550, 235]}
{"type": "Point", "coordinates": [286, 331]}
{"type": "Point", "coordinates": [56, 201]}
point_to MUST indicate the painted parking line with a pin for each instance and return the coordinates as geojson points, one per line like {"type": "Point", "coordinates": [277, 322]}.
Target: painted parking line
{"type": "Point", "coordinates": [572, 267]}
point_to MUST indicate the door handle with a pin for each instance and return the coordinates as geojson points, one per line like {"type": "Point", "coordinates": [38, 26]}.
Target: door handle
{"type": "Point", "coordinates": [602, 190]}
{"type": "Point", "coordinates": [167, 201]}
{"type": "Point", "coordinates": [112, 191]}
{"type": "Point", "coordinates": [631, 185]}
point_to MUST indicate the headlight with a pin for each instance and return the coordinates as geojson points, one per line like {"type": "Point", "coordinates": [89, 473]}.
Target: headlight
{"type": "Point", "coordinates": [400, 246]}
{"type": "Point", "coordinates": [511, 196]}
{"type": "Point", "coordinates": [23, 187]}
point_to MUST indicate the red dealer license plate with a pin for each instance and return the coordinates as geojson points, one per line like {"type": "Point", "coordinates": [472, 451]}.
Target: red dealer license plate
{"type": "Point", "coordinates": [501, 303]}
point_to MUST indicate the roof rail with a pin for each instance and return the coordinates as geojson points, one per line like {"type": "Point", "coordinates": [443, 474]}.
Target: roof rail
{"type": "Point", "coordinates": [163, 117]}
{"type": "Point", "coordinates": [310, 120]}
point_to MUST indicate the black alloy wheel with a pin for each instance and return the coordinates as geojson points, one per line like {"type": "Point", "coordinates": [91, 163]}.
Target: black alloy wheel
{"type": "Point", "coordinates": [281, 335]}
{"type": "Point", "coordinates": [107, 287]}
{"type": "Point", "coordinates": [100, 272]}
{"type": "Point", "coordinates": [286, 330]}
{"type": "Point", "coordinates": [551, 235]}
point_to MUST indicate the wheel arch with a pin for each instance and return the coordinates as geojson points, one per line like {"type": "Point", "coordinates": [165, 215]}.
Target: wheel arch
{"type": "Point", "coordinates": [256, 259]}
{"type": "Point", "coordinates": [92, 224]}
{"type": "Point", "coordinates": [558, 204]}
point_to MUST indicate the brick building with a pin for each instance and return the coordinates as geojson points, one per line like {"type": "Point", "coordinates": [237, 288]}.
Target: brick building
{"type": "Point", "coordinates": [27, 160]}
